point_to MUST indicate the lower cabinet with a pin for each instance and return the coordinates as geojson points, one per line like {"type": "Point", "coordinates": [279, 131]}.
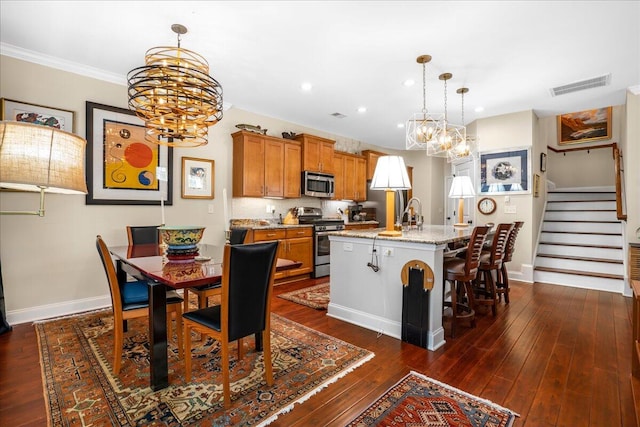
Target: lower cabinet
{"type": "Point", "coordinates": [296, 244]}
{"type": "Point", "coordinates": [357, 226]}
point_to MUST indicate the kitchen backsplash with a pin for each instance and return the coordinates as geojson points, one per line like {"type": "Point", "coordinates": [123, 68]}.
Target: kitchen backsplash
{"type": "Point", "coordinates": [254, 208]}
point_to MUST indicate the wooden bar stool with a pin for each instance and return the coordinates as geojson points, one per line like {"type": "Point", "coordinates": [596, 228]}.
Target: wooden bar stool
{"type": "Point", "coordinates": [485, 287]}
{"type": "Point", "coordinates": [460, 273]}
{"type": "Point", "coordinates": [502, 279]}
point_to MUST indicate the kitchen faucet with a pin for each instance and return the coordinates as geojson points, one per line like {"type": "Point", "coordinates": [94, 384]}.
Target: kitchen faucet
{"type": "Point", "coordinates": [418, 216]}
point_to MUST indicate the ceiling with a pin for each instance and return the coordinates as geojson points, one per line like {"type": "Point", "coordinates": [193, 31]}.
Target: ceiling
{"type": "Point", "coordinates": [354, 53]}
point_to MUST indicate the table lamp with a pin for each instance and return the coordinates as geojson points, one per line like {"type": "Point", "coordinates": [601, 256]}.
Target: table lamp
{"type": "Point", "coordinates": [39, 158]}
{"type": "Point", "coordinates": [390, 175]}
{"type": "Point", "coordinates": [461, 188]}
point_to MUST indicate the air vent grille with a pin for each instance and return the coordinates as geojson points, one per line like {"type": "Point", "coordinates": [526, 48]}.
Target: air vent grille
{"type": "Point", "coordinates": [338, 115]}
{"type": "Point", "coordinates": [582, 85]}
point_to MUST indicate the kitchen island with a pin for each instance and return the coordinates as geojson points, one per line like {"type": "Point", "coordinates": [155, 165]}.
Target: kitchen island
{"type": "Point", "coordinates": [373, 299]}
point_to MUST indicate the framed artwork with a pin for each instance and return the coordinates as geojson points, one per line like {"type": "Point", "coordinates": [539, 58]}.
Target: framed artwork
{"type": "Point", "coordinates": [37, 114]}
{"type": "Point", "coordinates": [505, 172]}
{"type": "Point", "coordinates": [197, 178]}
{"type": "Point", "coordinates": [122, 167]}
{"type": "Point", "coordinates": [536, 185]}
{"type": "Point", "coordinates": [584, 126]}
{"type": "Point", "coordinates": [543, 162]}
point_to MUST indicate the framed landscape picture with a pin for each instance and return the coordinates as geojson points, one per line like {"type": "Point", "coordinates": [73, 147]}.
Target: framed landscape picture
{"type": "Point", "coordinates": [505, 172]}
{"type": "Point", "coordinates": [122, 167]}
{"type": "Point", "coordinates": [37, 114]}
{"type": "Point", "coordinates": [584, 126]}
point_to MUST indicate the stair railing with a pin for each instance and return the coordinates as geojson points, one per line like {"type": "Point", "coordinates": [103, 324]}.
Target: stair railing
{"type": "Point", "coordinates": [619, 171]}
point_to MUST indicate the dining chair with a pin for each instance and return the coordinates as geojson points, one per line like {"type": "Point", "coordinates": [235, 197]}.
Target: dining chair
{"type": "Point", "coordinates": [237, 237]}
{"type": "Point", "coordinates": [460, 273]}
{"type": "Point", "coordinates": [502, 278]}
{"type": "Point", "coordinates": [142, 234]}
{"type": "Point", "coordinates": [130, 300]}
{"type": "Point", "coordinates": [245, 309]}
{"type": "Point", "coordinates": [491, 260]}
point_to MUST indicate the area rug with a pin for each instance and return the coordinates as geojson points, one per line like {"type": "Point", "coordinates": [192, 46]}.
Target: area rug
{"type": "Point", "coordinates": [417, 400]}
{"type": "Point", "coordinates": [315, 296]}
{"type": "Point", "coordinates": [76, 355]}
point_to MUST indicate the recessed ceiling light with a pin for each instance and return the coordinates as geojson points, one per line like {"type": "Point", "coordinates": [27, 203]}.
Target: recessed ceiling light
{"type": "Point", "coordinates": [479, 109]}
{"type": "Point", "coordinates": [362, 109]}
{"type": "Point", "coordinates": [400, 125]}
{"type": "Point", "coordinates": [409, 82]}
{"type": "Point", "coordinates": [306, 86]}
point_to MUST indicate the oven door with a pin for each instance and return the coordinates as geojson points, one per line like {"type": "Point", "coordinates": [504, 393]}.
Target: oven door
{"type": "Point", "coordinates": [321, 254]}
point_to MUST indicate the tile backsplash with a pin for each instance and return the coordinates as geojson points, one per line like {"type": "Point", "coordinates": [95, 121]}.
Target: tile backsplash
{"type": "Point", "coordinates": [256, 208]}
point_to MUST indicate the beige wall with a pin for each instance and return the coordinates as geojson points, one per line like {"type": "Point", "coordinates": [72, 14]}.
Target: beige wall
{"type": "Point", "coordinates": [631, 152]}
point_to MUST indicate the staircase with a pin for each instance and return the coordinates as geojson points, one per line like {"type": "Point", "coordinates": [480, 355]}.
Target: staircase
{"type": "Point", "coordinates": [581, 241]}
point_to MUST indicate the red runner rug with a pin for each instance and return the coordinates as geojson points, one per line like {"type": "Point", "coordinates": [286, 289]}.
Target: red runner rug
{"type": "Point", "coordinates": [419, 401]}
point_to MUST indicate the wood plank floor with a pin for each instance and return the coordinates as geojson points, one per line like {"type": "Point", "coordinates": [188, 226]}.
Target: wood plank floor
{"type": "Point", "coordinates": [556, 355]}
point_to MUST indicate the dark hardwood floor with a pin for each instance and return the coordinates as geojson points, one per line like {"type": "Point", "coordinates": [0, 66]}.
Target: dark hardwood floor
{"type": "Point", "coordinates": [556, 355]}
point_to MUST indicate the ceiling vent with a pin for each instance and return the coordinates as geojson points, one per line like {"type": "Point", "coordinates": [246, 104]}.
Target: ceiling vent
{"type": "Point", "coordinates": [582, 85]}
{"type": "Point", "coordinates": [338, 115]}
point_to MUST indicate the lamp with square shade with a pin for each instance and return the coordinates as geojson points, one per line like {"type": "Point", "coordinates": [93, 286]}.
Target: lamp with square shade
{"type": "Point", "coordinates": [390, 175]}
{"type": "Point", "coordinates": [461, 188]}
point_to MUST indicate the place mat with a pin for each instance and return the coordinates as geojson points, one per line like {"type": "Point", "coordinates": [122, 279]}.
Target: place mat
{"type": "Point", "coordinates": [421, 401]}
{"type": "Point", "coordinates": [314, 296]}
{"type": "Point", "coordinates": [76, 355]}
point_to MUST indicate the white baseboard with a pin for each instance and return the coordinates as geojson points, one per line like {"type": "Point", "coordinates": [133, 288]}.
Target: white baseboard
{"type": "Point", "coordinates": [525, 275]}
{"type": "Point", "coordinates": [32, 314]}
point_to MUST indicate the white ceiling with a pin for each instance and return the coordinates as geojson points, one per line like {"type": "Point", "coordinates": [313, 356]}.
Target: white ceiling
{"type": "Point", "coordinates": [355, 53]}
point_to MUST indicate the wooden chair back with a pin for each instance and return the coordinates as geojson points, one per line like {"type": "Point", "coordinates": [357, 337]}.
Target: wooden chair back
{"type": "Point", "coordinates": [112, 276]}
{"type": "Point", "coordinates": [474, 249]}
{"type": "Point", "coordinates": [499, 244]}
{"type": "Point", "coordinates": [511, 241]}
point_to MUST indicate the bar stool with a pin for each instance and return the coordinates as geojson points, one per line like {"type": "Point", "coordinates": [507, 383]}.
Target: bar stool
{"type": "Point", "coordinates": [502, 279]}
{"type": "Point", "coordinates": [460, 273]}
{"type": "Point", "coordinates": [491, 260]}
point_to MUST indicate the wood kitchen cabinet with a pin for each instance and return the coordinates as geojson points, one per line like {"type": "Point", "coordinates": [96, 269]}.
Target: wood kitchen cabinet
{"type": "Point", "coordinates": [317, 153]}
{"type": "Point", "coordinates": [350, 176]}
{"type": "Point", "coordinates": [296, 244]}
{"type": "Point", "coordinates": [265, 166]}
{"type": "Point", "coordinates": [372, 160]}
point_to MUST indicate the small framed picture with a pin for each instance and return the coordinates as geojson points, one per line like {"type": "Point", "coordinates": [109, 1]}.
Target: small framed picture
{"type": "Point", "coordinates": [543, 162]}
{"type": "Point", "coordinates": [197, 178]}
{"type": "Point", "coordinates": [37, 114]}
{"type": "Point", "coordinates": [584, 126]}
{"type": "Point", "coordinates": [536, 185]}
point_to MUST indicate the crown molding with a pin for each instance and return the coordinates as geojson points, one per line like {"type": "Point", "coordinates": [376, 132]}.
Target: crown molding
{"type": "Point", "coordinates": [61, 64]}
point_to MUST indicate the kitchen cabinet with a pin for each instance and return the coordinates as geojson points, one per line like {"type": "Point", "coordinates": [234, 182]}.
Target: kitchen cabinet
{"type": "Point", "coordinates": [360, 226]}
{"type": "Point", "coordinates": [296, 244]}
{"type": "Point", "coordinates": [265, 166]}
{"type": "Point", "coordinates": [350, 176]}
{"type": "Point", "coordinates": [317, 153]}
{"type": "Point", "coordinates": [372, 160]}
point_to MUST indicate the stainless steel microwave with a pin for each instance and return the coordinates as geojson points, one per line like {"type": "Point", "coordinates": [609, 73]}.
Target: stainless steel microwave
{"type": "Point", "coordinates": [316, 184]}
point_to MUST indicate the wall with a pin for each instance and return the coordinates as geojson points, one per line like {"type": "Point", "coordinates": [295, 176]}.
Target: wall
{"type": "Point", "coordinates": [631, 152]}
{"type": "Point", "coordinates": [50, 265]}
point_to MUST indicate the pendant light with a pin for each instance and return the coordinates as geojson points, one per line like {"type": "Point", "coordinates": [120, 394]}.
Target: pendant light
{"type": "Point", "coordinates": [451, 135]}
{"type": "Point", "coordinates": [464, 148]}
{"type": "Point", "coordinates": [423, 128]}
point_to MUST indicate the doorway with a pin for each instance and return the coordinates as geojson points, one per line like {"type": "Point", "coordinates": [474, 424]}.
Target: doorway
{"type": "Point", "coordinates": [466, 168]}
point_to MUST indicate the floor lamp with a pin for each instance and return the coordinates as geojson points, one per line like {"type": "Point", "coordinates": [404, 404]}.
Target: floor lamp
{"type": "Point", "coordinates": [461, 188]}
{"type": "Point", "coordinates": [42, 159]}
{"type": "Point", "coordinates": [390, 175]}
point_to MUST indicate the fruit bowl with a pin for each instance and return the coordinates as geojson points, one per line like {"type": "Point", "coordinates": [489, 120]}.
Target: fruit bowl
{"type": "Point", "coordinates": [181, 236]}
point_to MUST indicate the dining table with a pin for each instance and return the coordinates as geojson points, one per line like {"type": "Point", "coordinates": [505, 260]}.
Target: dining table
{"type": "Point", "coordinates": [150, 262]}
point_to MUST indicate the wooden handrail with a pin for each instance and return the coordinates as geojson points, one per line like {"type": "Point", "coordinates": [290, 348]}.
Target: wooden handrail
{"type": "Point", "coordinates": [617, 165]}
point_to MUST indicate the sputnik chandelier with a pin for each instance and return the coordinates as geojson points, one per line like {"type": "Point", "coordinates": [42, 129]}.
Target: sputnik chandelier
{"type": "Point", "coordinates": [423, 128]}
{"type": "Point", "coordinates": [175, 96]}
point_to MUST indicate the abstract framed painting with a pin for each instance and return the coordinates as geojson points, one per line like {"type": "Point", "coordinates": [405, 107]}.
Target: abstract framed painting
{"type": "Point", "coordinates": [122, 167]}
{"type": "Point", "coordinates": [197, 178]}
{"type": "Point", "coordinates": [505, 172]}
{"type": "Point", "coordinates": [19, 111]}
{"type": "Point", "coordinates": [584, 126]}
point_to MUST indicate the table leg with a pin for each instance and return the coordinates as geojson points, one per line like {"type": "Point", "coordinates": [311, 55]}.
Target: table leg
{"type": "Point", "coordinates": [159, 367]}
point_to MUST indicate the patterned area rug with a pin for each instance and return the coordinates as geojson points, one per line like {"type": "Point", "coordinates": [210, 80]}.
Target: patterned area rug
{"type": "Point", "coordinates": [76, 355]}
{"type": "Point", "coordinates": [315, 296]}
{"type": "Point", "coordinates": [417, 400]}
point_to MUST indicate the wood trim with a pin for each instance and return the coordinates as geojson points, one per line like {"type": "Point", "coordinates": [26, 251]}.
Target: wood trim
{"type": "Point", "coordinates": [586, 148]}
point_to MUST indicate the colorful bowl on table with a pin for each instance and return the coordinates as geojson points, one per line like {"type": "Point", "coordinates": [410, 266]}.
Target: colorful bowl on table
{"type": "Point", "coordinates": [181, 239]}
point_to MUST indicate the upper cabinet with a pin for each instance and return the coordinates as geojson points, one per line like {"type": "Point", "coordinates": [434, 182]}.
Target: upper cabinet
{"type": "Point", "coordinates": [317, 153]}
{"type": "Point", "coordinates": [265, 166]}
{"type": "Point", "coordinates": [372, 160]}
{"type": "Point", "coordinates": [350, 176]}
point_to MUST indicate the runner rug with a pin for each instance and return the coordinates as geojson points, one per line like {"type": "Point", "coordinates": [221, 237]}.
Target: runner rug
{"type": "Point", "coordinates": [76, 355]}
{"type": "Point", "coordinates": [421, 401]}
{"type": "Point", "coordinates": [315, 296]}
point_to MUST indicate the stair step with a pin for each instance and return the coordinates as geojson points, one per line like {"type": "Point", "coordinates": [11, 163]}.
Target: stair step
{"type": "Point", "coordinates": [577, 258]}
{"type": "Point", "coordinates": [593, 233]}
{"type": "Point", "coordinates": [581, 245]}
{"type": "Point", "coordinates": [581, 238]}
{"type": "Point", "coordinates": [583, 226]}
{"type": "Point", "coordinates": [580, 273]}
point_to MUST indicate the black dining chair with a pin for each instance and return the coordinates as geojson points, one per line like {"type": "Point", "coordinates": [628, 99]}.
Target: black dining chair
{"type": "Point", "coordinates": [142, 234]}
{"type": "Point", "coordinates": [130, 300]}
{"type": "Point", "coordinates": [238, 236]}
{"type": "Point", "coordinates": [245, 309]}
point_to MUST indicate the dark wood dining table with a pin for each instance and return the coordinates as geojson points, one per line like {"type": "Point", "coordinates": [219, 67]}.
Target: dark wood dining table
{"type": "Point", "coordinates": [148, 262]}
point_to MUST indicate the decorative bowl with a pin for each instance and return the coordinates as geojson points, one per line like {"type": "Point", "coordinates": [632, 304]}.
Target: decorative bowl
{"type": "Point", "coordinates": [181, 236]}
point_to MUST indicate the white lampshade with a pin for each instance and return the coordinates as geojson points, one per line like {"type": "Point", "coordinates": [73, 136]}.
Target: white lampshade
{"type": "Point", "coordinates": [461, 187]}
{"type": "Point", "coordinates": [36, 157]}
{"type": "Point", "coordinates": [390, 173]}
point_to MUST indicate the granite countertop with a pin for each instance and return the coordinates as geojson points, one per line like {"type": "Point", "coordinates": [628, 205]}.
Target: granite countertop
{"type": "Point", "coordinates": [368, 222]}
{"type": "Point", "coordinates": [263, 224]}
{"type": "Point", "coordinates": [434, 234]}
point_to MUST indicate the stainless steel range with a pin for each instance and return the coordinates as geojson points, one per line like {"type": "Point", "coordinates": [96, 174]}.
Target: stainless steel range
{"type": "Point", "coordinates": [321, 228]}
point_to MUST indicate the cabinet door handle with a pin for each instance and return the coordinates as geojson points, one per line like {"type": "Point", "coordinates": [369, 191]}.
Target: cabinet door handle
{"type": "Point", "coordinates": [271, 234]}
